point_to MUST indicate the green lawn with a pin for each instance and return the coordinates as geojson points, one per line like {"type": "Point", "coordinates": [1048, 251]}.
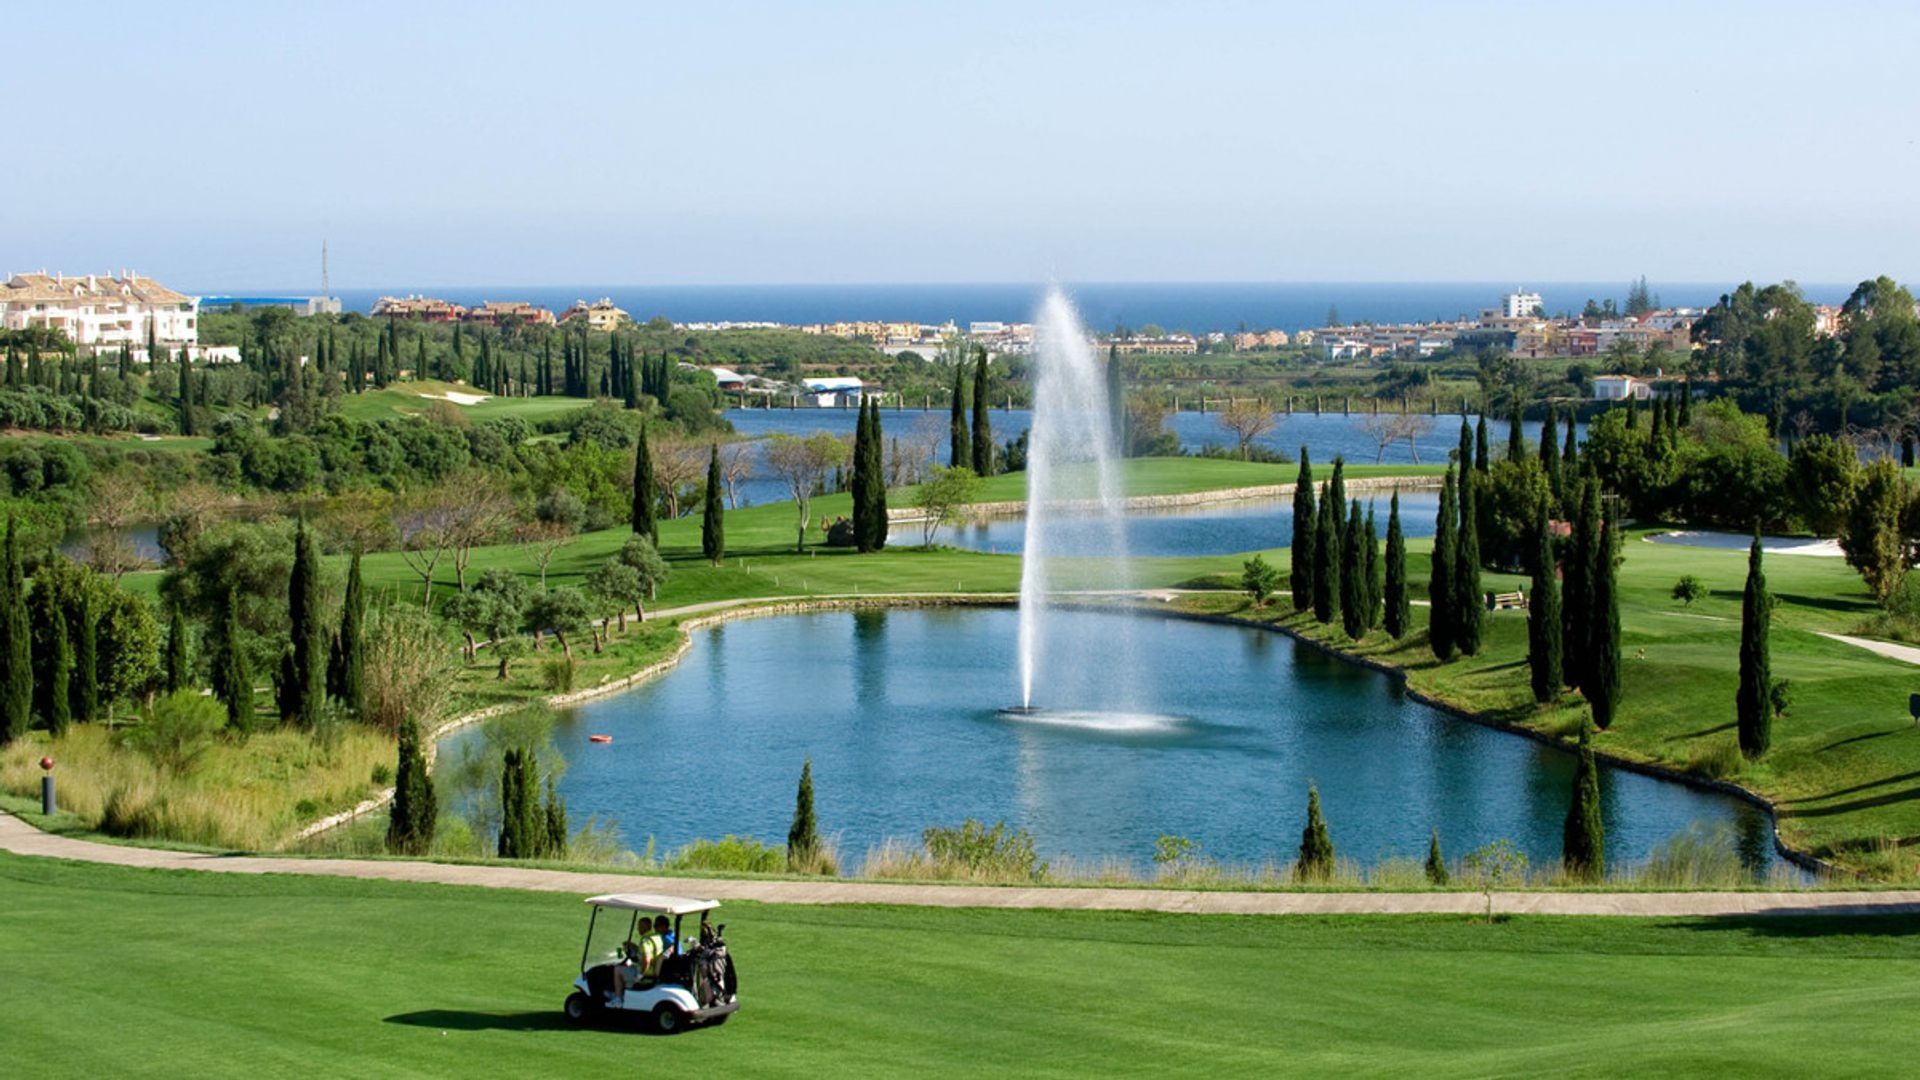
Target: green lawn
{"type": "Point", "coordinates": [412, 398]}
{"type": "Point", "coordinates": [181, 974]}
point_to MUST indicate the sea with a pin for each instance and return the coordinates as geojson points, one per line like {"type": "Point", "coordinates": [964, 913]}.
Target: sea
{"type": "Point", "coordinates": [1196, 307]}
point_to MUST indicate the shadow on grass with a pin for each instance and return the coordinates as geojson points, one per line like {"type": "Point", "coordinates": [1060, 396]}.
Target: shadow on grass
{"type": "Point", "coordinates": [1837, 792]}
{"type": "Point", "coordinates": [1857, 920]}
{"type": "Point", "coordinates": [1869, 803]}
{"type": "Point", "coordinates": [1703, 732]}
{"type": "Point", "coordinates": [1860, 738]}
{"type": "Point", "coordinates": [545, 1020]}
{"type": "Point", "coordinates": [1830, 603]}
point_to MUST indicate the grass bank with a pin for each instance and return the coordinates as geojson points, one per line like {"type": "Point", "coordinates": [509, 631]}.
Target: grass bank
{"type": "Point", "coordinates": [432, 980]}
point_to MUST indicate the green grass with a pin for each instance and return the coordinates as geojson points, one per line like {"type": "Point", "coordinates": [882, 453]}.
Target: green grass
{"type": "Point", "coordinates": [411, 399]}
{"type": "Point", "coordinates": [209, 975]}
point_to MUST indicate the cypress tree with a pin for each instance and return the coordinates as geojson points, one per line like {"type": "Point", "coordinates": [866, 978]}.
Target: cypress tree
{"type": "Point", "coordinates": [185, 397]}
{"type": "Point", "coordinates": [803, 836]}
{"type": "Point", "coordinates": [178, 663]}
{"type": "Point", "coordinates": [233, 674]}
{"type": "Point", "coordinates": [1470, 610]}
{"type": "Point", "coordinates": [1753, 703]}
{"type": "Point", "coordinates": [713, 536]}
{"type": "Point", "coordinates": [85, 688]}
{"type": "Point", "coordinates": [982, 425]}
{"type": "Point", "coordinates": [56, 705]}
{"type": "Point", "coordinates": [1583, 845]}
{"type": "Point", "coordinates": [1117, 418]}
{"type": "Point", "coordinates": [305, 693]}
{"type": "Point", "coordinates": [1464, 455]}
{"type": "Point", "coordinates": [1480, 462]}
{"type": "Point", "coordinates": [1570, 452]}
{"type": "Point", "coordinates": [16, 646]}
{"type": "Point", "coordinates": [1337, 491]}
{"type": "Point", "coordinates": [554, 839]}
{"type": "Point", "coordinates": [1300, 556]}
{"type": "Point", "coordinates": [1397, 616]}
{"type": "Point", "coordinates": [1326, 560]}
{"type": "Point", "coordinates": [1686, 402]}
{"type": "Point", "coordinates": [1543, 614]}
{"type": "Point", "coordinates": [1436, 863]}
{"type": "Point", "coordinates": [1576, 591]}
{"type": "Point", "coordinates": [1316, 844]}
{"type": "Point", "coordinates": [1375, 587]}
{"type": "Point", "coordinates": [522, 825]}
{"type": "Point", "coordinates": [959, 443]}
{"type": "Point", "coordinates": [416, 810]}
{"type": "Point", "coordinates": [644, 522]}
{"type": "Point", "coordinates": [1516, 433]}
{"type": "Point", "coordinates": [1353, 577]}
{"type": "Point", "coordinates": [1602, 683]}
{"type": "Point", "coordinates": [862, 520]}
{"type": "Point", "coordinates": [1440, 592]}
{"type": "Point", "coordinates": [877, 484]}
{"type": "Point", "coordinates": [1550, 447]}
{"type": "Point", "coordinates": [346, 663]}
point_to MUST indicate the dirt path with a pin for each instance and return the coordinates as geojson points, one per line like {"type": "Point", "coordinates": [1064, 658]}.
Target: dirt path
{"type": "Point", "coordinates": [18, 837]}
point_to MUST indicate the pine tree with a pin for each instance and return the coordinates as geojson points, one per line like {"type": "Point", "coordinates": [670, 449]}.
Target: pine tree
{"type": "Point", "coordinates": [305, 693]}
{"type": "Point", "coordinates": [1602, 685]}
{"type": "Point", "coordinates": [57, 666]}
{"type": "Point", "coordinates": [1326, 559]}
{"type": "Point", "coordinates": [959, 442]}
{"type": "Point", "coordinates": [85, 687]}
{"type": "Point", "coordinates": [1576, 591]}
{"type": "Point", "coordinates": [1398, 614]}
{"type": "Point", "coordinates": [982, 425]}
{"type": "Point", "coordinates": [803, 836]}
{"type": "Point", "coordinates": [346, 664]}
{"type": "Point", "coordinates": [16, 646]}
{"type": "Point", "coordinates": [1316, 844]}
{"type": "Point", "coordinates": [1543, 614]}
{"type": "Point", "coordinates": [1583, 845]}
{"type": "Point", "coordinates": [644, 522]}
{"type": "Point", "coordinates": [178, 661]}
{"type": "Point", "coordinates": [1375, 587]}
{"type": "Point", "coordinates": [416, 810]}
{"type": "Point", "coordinates": [1436, 862]}
{"type": "Point", "coordinates": [233, 674]}
{"type": "Point", "coordinates": [1300, 556]}
{"type": "Point", "coordinates": [713, 536]}
{"type": "Point", "coordinates": [1480, 462]}
{"type": "Point", "coordinates": [1440, 591]}
{"type": "Point", "coordinates": [1754, 704]}
{"type": "Point", "coordinates": [1469, 609]}
{"type": "Point", "coordinates": [1353, 576]}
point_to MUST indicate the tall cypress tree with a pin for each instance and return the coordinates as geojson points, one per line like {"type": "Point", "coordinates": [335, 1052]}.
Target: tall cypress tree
{"type": "Point", "coordinates": [982, 425]}
{"type": "Point", "coordinates": [1583, 845]}
{"type": "Point", "coordinates": [179, 663]}
{"type": "Point", "coordinates": [1569, 452]}
{"type": "Point", "coordinates": [416, 810]}
{"type": "Point", "coordinates": [85, 687]}
{"type": "Point", "coordinates": [1375, 587]}
{"type": "Point", "coordinates": [803, 835]}
{"type": "Point", "coordinates": [1316, 844]}
{"type": "Point", "coordinates": [185, 396]}
{"type": "Point", "coordinates": [1353, 576]}
{"type": "Point", "coordinates": [346, 663]}
{"type": "Point", "coordinates": [1543, 614]}
{"type": "Point", "coordinates": [1480, 462]}
{"type": "Point", "coordinates": [306, 694]}
{"type": "Point", "coordinates": [1464, 454]}
{"type": "Point", "coordinates": [1576, 593]}
{"type": "Point", "coordinates": [1326, 559]}
{"type": "Point", "coordinates": [57, 666]}
{"type": "Point", "coordinates": [862, 520]}
{"type": "Point", "coordinates": [1516, 433]}
{"type": "Point", "coordinates": [1602, 685]}
{"type": "Point", "coordinates": [1686, 402]}
{"type": "Point", "coordinates": [1753, 704]}
{"type": "Point", "coordinates": [644, 522]}
{"type": "Point", "coordinates": [877, 470]}
{"type": "Point", "coordinates": [1300, 556]}
{"type": "Point", "coordinates": [1550, 447]}
{"type": "Point", "coordinates": [1441, 595]}
{"type": "Point", "coordinates": [713, 535]}
{"type": "Point", "coordinates": [16, 646]}
{"type": "Point", "coordinates": [959, 442]}
{"type": "Point", "coordinates": [1117, 418]}
{"type": "Point", "coordinates": [1398, 616]}
{"type": "Point", "coordinates": [233, 672]}
{"type": "Point", "coordinates": [1337, 491]}
{"type": "Point", "coordinates": [1470, 609]}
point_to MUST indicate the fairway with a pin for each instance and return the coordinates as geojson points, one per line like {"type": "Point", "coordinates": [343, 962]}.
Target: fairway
{"type": "Point", "coordinates": [227, 975]}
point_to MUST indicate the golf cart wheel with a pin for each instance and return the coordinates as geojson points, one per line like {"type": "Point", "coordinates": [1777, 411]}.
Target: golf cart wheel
{"type": "Point", "coordinates": [579, 1007]}
{"type": "Point", "coordinates": [667, 1019]}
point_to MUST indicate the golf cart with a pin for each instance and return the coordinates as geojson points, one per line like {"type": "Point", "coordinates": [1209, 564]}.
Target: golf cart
{"type": "Point", "coordinates": [686, 983]}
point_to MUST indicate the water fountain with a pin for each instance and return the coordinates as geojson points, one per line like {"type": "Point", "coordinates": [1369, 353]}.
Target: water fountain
{"type": "Point", "coordinates": [1071, 471]}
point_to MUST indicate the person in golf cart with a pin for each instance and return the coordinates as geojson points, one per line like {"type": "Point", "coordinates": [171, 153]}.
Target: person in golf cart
{"type": "Point", "coordinates": [660, 968]}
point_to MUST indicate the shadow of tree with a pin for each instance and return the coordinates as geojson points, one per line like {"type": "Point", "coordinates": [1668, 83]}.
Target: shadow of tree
{"type": "Point", "coordinates": [1703, 732]}
{"type": "Point", "coordinates": [1870, 919]}
{"type": "Point", "coordinates": [467, 1020]}
{"type": "Point", "coordinates": [1860, 738]}
{"type": "Point", "coordinates": [1836, 793]}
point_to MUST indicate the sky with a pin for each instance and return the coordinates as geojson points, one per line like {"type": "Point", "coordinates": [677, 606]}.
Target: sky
{"type": "Point", "coordinates": [215, 145]}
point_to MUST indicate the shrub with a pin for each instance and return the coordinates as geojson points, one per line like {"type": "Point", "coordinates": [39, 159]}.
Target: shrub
{"type": "Point", "coordinates": [1702, 857]}
{"type": "Point", "coordinates": [180, 728]}
{"type": "Point", "coordinates": [1688, 589]}
{"type": "Point", "coordinates": [1718, 759]}
{"type": "Point", "coordinates": [130, 814]}
{"type": "Point", "coordinates": [556, 674]}
{"type": "Point", "coordinates": [729, 854]}
{"type": "Point", "coordinates": [975, 850]}
{"type": "Point", "coordinates": [382, 774]}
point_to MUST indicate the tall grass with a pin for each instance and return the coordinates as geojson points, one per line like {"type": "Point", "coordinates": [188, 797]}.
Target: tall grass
{"type": "Point", "coordinates": [243, 796]}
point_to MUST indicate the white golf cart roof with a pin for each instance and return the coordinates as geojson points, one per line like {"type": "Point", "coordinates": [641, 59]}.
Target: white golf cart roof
{"type": "Point", "coordinates": [652, 903]}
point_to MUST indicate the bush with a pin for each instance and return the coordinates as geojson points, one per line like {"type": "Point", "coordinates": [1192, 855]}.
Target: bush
{"type": "Point", "coordinates": [130, 814]}
{"type": "Point", "coordinates": [556, 674]}
{"type": "Point", "coordinates": [382, 774]}
{"type": "Point", "coordinates": [975, 850]}
{"type": "Point", "coordinates": [178, 731]}
{"type": "Point", "coordinates": [1702, 857]}
{"type": "Point", "coordinates": [729, 854]}
{"type": "Point", "coordinates": [1688, 589]}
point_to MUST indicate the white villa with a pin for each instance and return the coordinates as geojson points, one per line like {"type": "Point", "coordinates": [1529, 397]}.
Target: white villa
{"type": "Point", "coordinates": [100, 310]}
{"type": "Point", "coordinates": [1621, 388]}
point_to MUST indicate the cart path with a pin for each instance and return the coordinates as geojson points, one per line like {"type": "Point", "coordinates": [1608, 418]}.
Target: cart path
{"type": "Point", "coordinates": [20, 838]}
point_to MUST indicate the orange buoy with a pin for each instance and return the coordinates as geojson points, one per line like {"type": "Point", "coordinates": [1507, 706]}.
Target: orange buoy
{"type": "Point", "coordinates": [600, 738]}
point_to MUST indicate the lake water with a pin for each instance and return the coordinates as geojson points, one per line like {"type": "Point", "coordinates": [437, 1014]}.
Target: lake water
{"type": "Point", "coordinates": [898, 711]}
{"type": "Point", "coordinates": [1213, 529]}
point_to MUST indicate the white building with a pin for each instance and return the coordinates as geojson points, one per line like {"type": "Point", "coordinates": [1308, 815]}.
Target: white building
{"type": "Point", "coordinates": [1620, 388]}
{"type": "Point", "coordinates": [1520, 305]}
{"type": "Point", "coordinates": [830, 392]}
{"type": "Point", "coordinates": [100, 310]}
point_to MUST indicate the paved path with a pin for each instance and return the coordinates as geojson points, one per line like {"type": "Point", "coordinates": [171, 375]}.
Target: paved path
{"type": "Point", "coordinates": [22, 839]}
{"type": "Point", "coordinates": [1889, 649]}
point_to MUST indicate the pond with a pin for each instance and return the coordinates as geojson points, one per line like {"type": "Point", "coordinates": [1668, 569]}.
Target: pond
{"type": "Point", "coordinates": [1209, 529]}
{"type": "Point", "coordinates": [900, 713]}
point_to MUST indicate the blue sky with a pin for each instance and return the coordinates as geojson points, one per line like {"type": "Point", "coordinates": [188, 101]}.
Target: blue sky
{"type": "Point", "coordinates": [215, 144]}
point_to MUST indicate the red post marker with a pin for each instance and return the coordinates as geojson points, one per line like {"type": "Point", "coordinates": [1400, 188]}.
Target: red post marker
{"type": "Point", "coordinates": [46, 763]}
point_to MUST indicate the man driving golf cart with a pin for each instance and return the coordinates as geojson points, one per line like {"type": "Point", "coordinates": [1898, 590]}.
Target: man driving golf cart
{"type": "Point", "coordinates": [654, 969]}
